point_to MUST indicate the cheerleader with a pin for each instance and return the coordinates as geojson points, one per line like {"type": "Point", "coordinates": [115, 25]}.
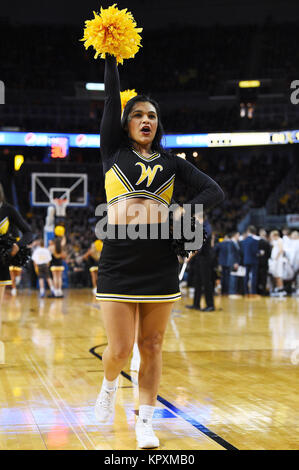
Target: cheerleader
{"type": "Point", "coordinates": [92, 256]}
{"type": "Point", "coordinates": [15, 271]}
{"type": "Point", "coordinates": [138, 271]}
{"type": "Point", "coordinates": [56, 248]}
{"type": "Point", "coordinates": [141, 272]}
{"type": "Point", "coordinates": [15, 276]}
{"type": "Point", "coordinates": [10, 217]}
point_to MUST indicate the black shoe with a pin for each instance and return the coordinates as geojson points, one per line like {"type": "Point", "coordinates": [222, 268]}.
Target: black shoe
{"type": "Point", "coordinates": [207, 309]}
{"type": "Point", "coordinates": [192, 307]}
{"type": "Point", "coordinates": [51, 296]}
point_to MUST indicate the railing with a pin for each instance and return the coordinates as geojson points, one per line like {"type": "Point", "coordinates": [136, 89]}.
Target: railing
{"type": "Point", "coordinates": [261, 219]}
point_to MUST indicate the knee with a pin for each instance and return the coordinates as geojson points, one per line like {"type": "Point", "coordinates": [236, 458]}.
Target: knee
{"type": "Point", "coordinates": [151, 345]}
{"type": "Point", "coordinates": [121, 352]}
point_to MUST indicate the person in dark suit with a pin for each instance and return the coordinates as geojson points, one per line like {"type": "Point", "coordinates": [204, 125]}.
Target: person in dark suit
{"type": "Point", "coordinates": [234, 260]}
{"type": "Point", "coordinates": [203, 273]}
{"type": "Point", "coordinates": [263, 257]}
{"type": "Point", "coordinates": [221, 250]}
{"type": "Point", "coordinates": [250, 249]}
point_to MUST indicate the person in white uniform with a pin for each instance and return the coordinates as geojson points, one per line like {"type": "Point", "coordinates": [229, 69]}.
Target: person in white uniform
{"type": "Point", "coordinates": [41, 259]}
{"type": "Point", "coordinates": [276, 263]}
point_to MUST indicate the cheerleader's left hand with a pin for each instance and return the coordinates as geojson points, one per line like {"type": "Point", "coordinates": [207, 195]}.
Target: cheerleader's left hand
{"type": "Point", "coordinates": [15, 249]}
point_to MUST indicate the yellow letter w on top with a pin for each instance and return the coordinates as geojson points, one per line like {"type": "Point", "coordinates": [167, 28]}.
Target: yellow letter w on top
{"type": "Point", "coordinates": [148, 173]}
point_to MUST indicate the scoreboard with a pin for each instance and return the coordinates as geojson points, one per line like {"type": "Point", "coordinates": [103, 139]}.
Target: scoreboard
{"type": "Point", "coordinates": [59, 147]}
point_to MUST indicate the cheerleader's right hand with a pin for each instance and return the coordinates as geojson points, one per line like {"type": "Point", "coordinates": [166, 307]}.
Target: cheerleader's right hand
{"type": "Point", "coordinates": [15, 249]}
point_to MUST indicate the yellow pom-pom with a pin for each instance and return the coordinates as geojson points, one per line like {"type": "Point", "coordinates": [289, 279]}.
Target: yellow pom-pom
{"type": "Point", "coordinates": [59, 230]}
{"type": "Point", "coordinates": [125, 96]}
{"type": "Point", "coordinates": [99, 245]}
{"type": "Point", "coordinates": [113, 32]}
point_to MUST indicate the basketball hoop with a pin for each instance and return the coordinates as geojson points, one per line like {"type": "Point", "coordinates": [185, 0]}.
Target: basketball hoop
{"type": "Point", "coordinates": [60, 206]}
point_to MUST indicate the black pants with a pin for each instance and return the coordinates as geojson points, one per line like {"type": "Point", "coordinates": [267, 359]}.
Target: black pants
{"type": "Point", "coordinates": [203, 280]}
{"type": "Point", "coordinates": [191, 268]}
{"type": "Point", "coordinates": [251, 268]}
{"type": "Point", "coordinates": [262, 279]}
{"type": "Point", "coordinates": [225, 279]}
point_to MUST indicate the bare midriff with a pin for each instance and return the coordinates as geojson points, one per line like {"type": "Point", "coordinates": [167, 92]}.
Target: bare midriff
{"type": "Point", "coordinates": [137, 211]}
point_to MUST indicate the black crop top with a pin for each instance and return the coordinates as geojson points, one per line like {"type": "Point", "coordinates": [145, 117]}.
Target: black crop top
{"type": "Point", "coordinates": [10, 219]}
{"type": "Point", "coordinates": [128, 174]}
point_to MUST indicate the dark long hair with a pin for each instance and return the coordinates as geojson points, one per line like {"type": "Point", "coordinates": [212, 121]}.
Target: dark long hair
{"type": "Point", "coordinates": [57, 242]}
{"type": "Point", "coordinates": [156, 144]}
{"type": "Point", "coordinates": [2, 196]}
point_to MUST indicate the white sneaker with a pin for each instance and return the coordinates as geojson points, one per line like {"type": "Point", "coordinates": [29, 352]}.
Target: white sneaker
{"type": "Point", "coordinates": [105, 403]}
{"type": "Point", "coordinates": [278, 293]}
{"type": "Point", "coordinates": [145, 435]}
{"type": "Point", "coordinates": [94, 291]}
{"type": "Point", "coordinates": [13, 292]}
{"type": "Point", "coordinates": [282, 293]}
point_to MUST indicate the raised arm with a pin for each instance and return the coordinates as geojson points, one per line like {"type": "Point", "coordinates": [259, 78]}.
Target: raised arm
{"type": "Point", "coordinates": [86, 255]}
{"type": "Point", "coordinates": [111, 130]}
{"type": "Point", "coordinates": [18, 221]}
{"type": "Point", "coordinates": [209, 192]}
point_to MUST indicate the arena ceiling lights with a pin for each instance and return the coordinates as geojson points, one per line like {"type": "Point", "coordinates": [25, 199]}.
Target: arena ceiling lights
{"type": "Point", "coordinates": [95, 86]}
{"type": "Point", "coordinates": [249, 84]}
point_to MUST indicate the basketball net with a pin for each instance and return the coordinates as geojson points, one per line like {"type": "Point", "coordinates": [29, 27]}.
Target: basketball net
{"type": "Point", "coordinates": [60, 207]}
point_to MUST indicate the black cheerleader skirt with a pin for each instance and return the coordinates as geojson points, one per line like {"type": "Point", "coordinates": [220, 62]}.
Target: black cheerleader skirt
{"type": "Point", "coordinates": [4, 275]}
{"type": "Point", "coordinates": [56, 264]}
{"type": "Point", "coordinates": [92, 264]}
{"type": "Point", "coordinates": [141, 270]}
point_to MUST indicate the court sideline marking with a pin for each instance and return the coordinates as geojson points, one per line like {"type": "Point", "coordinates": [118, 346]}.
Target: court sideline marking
{"type": "Point", "coordinates": [200, 427]}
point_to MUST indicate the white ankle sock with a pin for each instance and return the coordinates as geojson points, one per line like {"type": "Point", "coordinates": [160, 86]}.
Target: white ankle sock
{"type": "Point", "coordinates": [110, 385]}
{"type": "Point", "coordinates": [146, 412]}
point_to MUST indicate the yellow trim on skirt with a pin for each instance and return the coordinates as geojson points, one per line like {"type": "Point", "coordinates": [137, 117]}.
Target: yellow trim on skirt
{"type": "Point", "coordinates": [94, 268]}
{"type": "Point", "coordinates": [138, 298]}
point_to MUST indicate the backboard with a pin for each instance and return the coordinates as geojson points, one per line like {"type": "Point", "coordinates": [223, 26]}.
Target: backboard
{"type": "Point", "coordinates": [47, 188]}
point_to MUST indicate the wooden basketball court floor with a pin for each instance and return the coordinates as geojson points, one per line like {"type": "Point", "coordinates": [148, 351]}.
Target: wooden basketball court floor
{"type": "Point", "coordinates": [230, 378]}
